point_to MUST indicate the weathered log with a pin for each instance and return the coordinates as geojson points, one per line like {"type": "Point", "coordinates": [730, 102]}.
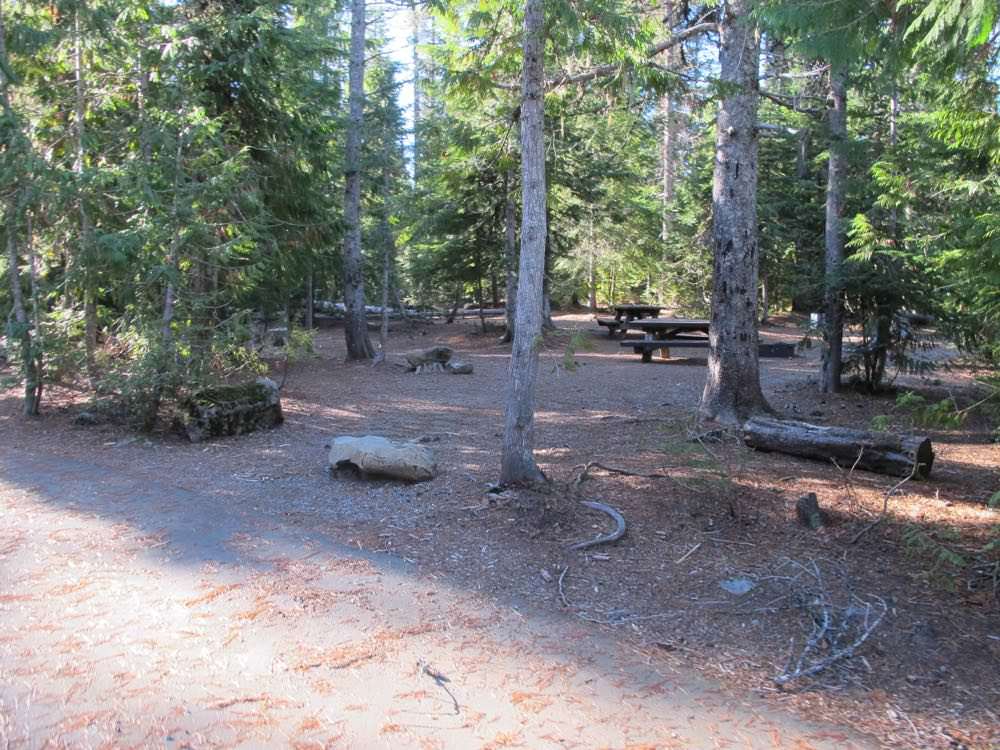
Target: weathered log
{"type": "Point", "coordinates": [880, 452]}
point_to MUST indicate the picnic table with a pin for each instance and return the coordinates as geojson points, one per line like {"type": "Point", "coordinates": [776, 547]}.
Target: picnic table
{"type": "Point", "coordinates": [664, 333]}
{"type": "Point", "coordinates": [630, 313]}
{"type": "Point", "coordinates": [689, 333]}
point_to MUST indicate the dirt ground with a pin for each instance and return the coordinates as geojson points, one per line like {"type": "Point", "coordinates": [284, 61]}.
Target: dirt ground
{"type": "Point", "coordinates": [227, 562]}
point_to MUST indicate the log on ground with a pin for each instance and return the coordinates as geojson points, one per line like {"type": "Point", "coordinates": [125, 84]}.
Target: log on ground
{"type": "Point", "coordinates": [881, 452]}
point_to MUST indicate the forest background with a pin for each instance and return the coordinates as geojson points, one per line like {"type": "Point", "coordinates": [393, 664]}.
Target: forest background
{"type": "Point", "coordinates": [174, 173]}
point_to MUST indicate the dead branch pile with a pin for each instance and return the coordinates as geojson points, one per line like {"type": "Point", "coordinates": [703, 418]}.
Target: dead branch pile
{"type": "Point", "coordinates": [836, 620]}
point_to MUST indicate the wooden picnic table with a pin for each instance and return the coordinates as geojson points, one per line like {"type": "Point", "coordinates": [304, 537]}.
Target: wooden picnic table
{"type": "Point", "coordinates": [668, 328]}
{"type": "Point", "coordinates": [663, 333]}
{"type": "Point", "coordinates": [636, 312]}
{"type": "Point", "coordinates": [625, 314]}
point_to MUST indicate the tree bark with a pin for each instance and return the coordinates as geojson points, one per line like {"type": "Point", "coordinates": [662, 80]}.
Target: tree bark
{"type": "Point", "coordinates": [732, 390]}
{"type": "Point", "coordinates": [517, 461]}
{"type": "Point", "coordinates": [359, 346]}
{"type": "Point", "coordinates": [833, 288]}
{"type": "Point", "coordinates": [510, 256]}
{"type": "Point", "coordinates": [881, 452]}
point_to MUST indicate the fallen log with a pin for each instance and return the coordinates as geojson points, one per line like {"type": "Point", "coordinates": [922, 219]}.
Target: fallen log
{"type": "Point", "coordinates": [881, 452]}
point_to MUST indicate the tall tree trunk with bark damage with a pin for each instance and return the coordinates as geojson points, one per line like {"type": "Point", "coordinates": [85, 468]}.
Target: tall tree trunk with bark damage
{"type": "Point", "coordinates": [732, 391]}
{"type": "Point", "coordinates": [518, 461]}
{"type": "Point", "coordinates": [510, 256]}
{"type": "Point", "coordinates": [359, 346]}
{"type": "Point", "coordinates": [833, 302]}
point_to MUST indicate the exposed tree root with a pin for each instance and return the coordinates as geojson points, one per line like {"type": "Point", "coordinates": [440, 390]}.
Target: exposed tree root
{"type": "Point", "coordinates": [614, 536]}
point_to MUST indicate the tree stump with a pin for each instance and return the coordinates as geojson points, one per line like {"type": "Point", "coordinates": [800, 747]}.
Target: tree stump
{"type": "Point", "coordinates": [231, 410]}
{"type": "Point", "coordinates": [880, 452]}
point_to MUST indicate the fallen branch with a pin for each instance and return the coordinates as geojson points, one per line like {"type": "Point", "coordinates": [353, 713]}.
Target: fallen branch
{"type": "Point", "coordinates": [614, 536]}
{"type": "Point", "coordinates": [839, 621]}
{"type": "Point", "coordinates": [885, 505]}
{"type": "Point", "coordinates": [584, 474]}
{"type": "Point", "coordinates": [562, 594]}
{"type": "Point", "coordinates": [827, 631]}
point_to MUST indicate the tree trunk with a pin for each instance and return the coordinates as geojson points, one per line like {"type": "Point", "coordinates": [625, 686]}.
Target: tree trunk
{"type": "Point", "coordinates": [510, 256]}
{"type": "Point", "coordinates": [383, 331]}
{"type": "Point", "coordinates": [668, 128]}
{"type": "Point", "coordinates": [833, 303]}
{"type": "Point", "coordinates": [415, 11]}
{"type": "Point", "coordinates": [547, 323]}
{"type": "Point", "coordinates": [591, 265]}
{"type": "Point", "coordinates": [517, 461]}
{"type": "Point", "coordinates": [359, 346]}
{"type": "Point", "coordinates": [86, 228]}
{"type": "Point", "coordinates": [886, 309]}
{"type": "Point", "coordinates": [667, 148]}
{"type": "Point", "coordinates": [166, 354]}
{"type": "Point", "coordinates": [732, 390]}
{"type": "Point", "coordinates": [309, 309]}
{"type": "Point", "coordinates": [872, 451]}
{"type": "Point", "coordinates": [32, 384]}
{"type": "Point", "coordinates": [765, 298]}
{"type": "Point", "coordinates": [30, 360]}
{"type": "Point", "coordinates": [388, 258]}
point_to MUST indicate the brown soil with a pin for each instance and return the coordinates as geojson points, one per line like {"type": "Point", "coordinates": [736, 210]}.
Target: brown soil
{"type": "Point", "coordinates": [926, 678]}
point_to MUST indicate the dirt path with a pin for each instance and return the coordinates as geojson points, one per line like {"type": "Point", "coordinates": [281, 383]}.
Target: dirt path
{"type": "Point", "coordinates": [137, 613]}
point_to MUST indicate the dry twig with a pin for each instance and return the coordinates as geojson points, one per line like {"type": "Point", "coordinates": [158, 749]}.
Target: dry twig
{"type": "Point", "coordinates": [562, 594]}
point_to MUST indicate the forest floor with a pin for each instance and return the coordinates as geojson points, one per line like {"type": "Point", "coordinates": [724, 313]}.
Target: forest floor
{"type": "Point", "coordinates": [233, 593]}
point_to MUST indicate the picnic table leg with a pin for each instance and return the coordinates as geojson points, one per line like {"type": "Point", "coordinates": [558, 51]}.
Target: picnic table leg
{"type": "Point", "coordinates": [647, 355]}
{"type": "Point", "coordinates": [665, 351]}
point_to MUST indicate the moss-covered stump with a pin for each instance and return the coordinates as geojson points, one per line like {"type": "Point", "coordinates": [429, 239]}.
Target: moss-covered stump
{"type": "Point", "coordinates": [231, 410]}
